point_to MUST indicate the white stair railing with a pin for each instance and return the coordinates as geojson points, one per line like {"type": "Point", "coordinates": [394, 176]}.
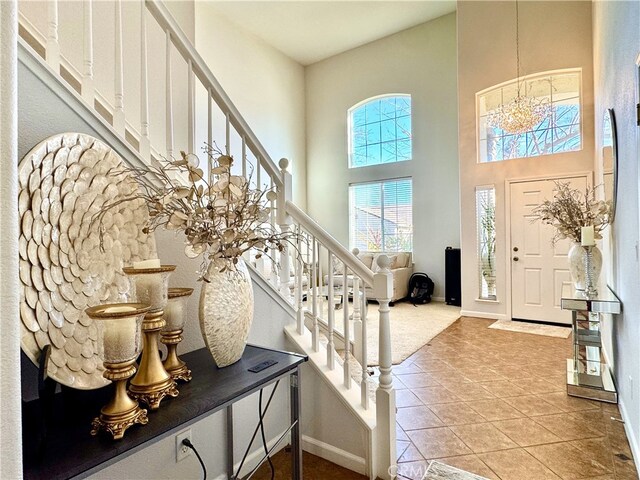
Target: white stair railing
{"type": "Point", "coordinates": [315, 286]}
{"type": "Point", "coordinates": [354, 282]}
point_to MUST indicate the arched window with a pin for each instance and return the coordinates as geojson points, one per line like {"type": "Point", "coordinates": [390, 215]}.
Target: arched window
{"type": "Point", "coordinates": [380, 131]}
{"type": "Point", "coordinates": [558, 133]}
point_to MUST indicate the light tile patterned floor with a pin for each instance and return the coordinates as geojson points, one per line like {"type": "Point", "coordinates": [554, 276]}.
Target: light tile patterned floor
{"type": "Point", "coordinates": [494, 403]}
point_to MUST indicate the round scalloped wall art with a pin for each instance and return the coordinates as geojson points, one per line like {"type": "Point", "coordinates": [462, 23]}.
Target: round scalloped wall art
{"type": "Point", "coordinates": [64, 181]}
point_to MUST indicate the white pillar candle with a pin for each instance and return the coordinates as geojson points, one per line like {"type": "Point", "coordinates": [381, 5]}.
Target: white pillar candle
{"type": "Point", "coordinates": [151, 289]}
{"type": "Point", "coordinates": [151, 263]}
{"type": "Point", "coordinates": [120, 337]}
{"type": "Point", "coordinates": [588, 236]}
{"type": "Point", "coordinates": [174, 314]}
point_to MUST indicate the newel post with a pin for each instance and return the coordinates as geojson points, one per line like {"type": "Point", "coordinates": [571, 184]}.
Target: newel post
{"type": "Point", "coordinates": [285, 194]}
{"type": "Point", "coordinates": [385, 394]}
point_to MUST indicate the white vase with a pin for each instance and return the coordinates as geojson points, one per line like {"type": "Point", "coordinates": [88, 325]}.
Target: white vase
{"type": "Point", "coordinates": [226, 312]}
{"type": "Point", "coordinates": [577, 265]}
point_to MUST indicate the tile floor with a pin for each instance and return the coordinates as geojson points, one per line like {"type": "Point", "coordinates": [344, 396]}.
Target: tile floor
{"type": "Point", "coordinates": [494, 403]}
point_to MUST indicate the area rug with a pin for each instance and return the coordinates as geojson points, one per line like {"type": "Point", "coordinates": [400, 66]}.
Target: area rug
{"type": "Point", "coordinates": [440, 471]}
{"type": "Point", "coordinates": [532, 328]}
{"type": "Point", "coordinates": [411, 328]}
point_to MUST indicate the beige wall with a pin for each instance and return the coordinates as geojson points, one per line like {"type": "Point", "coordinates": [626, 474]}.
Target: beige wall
{"type": "Point", "coordinates": [616, 48]}
{"type": "Point", "coordinates": [419, 61]}
{"type": "Point", "coordinates": [265, 85]}
{"type": "Point", "coordinates": [553, 35]}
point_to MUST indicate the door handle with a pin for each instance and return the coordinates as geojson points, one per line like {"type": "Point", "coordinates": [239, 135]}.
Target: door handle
{"type": "Point", "coordinates": [515, 259]}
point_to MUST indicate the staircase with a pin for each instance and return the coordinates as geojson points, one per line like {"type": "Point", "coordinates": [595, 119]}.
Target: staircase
{"type": "Point", "coordinates": [304, 280]}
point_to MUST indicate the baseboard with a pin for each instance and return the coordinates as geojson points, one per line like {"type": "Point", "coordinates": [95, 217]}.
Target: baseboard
{"type": "Point", "coordinates": [334, 455]}
{"type": "Point", "coordinates": [628, 428]}
{"type": "Point", "coordinates": [256, 455]}
{"type": "Point", "coordinates": [437, 299]}
{"type": "Point", "coordinates": [490, 316]}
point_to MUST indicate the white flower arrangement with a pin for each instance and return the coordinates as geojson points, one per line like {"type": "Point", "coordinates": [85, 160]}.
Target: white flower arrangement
{"type": "Point", "coordinates": [570, 210]}
{"type": "Point", "coordinates": [220, 214]}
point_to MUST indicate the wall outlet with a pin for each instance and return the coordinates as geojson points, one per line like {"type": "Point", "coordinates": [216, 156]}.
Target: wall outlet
{"type": "Point", "coordinates": [182, 451]}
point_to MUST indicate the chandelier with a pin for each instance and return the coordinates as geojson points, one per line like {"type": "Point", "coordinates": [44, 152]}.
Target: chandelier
{"type": "Point", "coordinates": [523, 113]}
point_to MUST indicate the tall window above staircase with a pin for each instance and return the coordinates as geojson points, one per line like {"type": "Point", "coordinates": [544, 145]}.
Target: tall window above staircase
{"type": "Point", "coordinates": [381, 215]}
{"type": "Point", "coordinates": [380, 131]}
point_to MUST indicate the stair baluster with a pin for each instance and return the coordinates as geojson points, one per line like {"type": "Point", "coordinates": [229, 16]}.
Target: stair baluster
{"type": "Point", "coordinates": [52, 54]}
{"type": "Point", "coordinates": [299, 284]}
{"type": "Point", "coordinates": [145, 144]}
{"type": "Point", "coordinates": [314, 294]}
{"type": "Point", "coordinates": [118, 104]}
{"type": "Point", "coordinates": [191, 109]}
{"type": "Point", "coordinates": [244, 156]}
{"type": "Point", "coordinates": [87, 90]}
{"type": "Point", "coordinates": [320, 282]}
{"type": "Point", "coordinates": [347, 342]}
{"type": "Point", "coordinates": [364, 382]}
{"type": "Point", "coordinates": [357, 320]}
{"type": "Point", "coordinates": [331, 362]}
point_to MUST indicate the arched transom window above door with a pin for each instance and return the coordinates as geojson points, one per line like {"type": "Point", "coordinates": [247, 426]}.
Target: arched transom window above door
{"type": "Point", "coordinates": [559, 132]}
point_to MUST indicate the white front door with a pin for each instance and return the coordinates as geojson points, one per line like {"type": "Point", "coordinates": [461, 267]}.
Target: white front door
{"type": "Point", "coordinates": [538, 268]}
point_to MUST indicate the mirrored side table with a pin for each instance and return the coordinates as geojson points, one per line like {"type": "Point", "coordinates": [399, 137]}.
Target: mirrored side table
{"type": "Point", "coordinates": [588, 375]}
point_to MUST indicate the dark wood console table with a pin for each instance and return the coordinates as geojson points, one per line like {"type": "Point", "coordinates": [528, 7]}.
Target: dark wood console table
{"type": "Point", "coordinates": [63, 448]}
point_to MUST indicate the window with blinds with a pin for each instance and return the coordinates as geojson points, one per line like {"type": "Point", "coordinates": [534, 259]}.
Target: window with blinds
{"type": "Point", "coordinates": [486, 221]}
{"type": "Point", "coordinates": [380, 131]}
{"type": "Point", "coordinates": [381, 215]}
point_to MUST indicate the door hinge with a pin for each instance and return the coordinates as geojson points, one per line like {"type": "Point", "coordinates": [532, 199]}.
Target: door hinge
{"type": "Point", "coordinates": [638, 114]}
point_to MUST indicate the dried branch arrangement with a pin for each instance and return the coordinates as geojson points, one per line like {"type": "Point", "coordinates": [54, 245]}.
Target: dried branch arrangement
{"type": "Point", "coordinates": [220, 214]}
{"type": "Point", "coordinates": [570, 210]}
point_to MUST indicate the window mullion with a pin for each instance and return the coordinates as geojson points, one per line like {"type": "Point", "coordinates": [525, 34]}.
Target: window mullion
{"type": "Point", "coordinates": [383, 246]}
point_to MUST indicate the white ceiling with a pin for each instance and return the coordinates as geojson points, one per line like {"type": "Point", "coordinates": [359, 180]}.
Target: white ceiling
{"type": "Point", "coordinates": [309, 31]}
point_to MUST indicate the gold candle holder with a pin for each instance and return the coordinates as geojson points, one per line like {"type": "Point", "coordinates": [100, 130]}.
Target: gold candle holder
{"type": "Point", "coordinates": [172, 333]}
{"type": "Point", "coordinates": [152, 382]}
{"type": "Point", "coordinates": [119, 327]}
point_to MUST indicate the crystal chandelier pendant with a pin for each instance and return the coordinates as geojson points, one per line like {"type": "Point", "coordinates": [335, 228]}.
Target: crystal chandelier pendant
{"type": "Point", "coordinates": [520, 115]}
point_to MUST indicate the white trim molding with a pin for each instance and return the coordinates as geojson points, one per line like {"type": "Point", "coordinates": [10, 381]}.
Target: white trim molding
{"type": "Point", "coordinates": [488, 315]}
{"type": "Point", "coordinates": [631, 436]}
{"type": "Point", "coordinates": [10, 411]}
{"type": "Point", "coordinates": [334, 454]}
